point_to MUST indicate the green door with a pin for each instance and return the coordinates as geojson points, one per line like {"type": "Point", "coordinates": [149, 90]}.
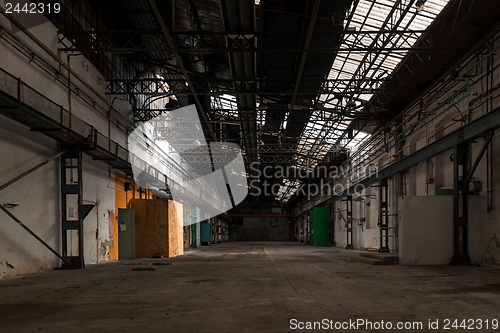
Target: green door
{"type": "Point", "coordinates": [319, 226]}
{"type": "Point", "coordinates": [126, 234]}
{"type": "Point", "coordinates": [311, 227]}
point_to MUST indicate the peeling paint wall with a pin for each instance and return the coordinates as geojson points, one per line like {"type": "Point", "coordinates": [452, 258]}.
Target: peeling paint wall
{"type": "Point", "coordinates": [96, 190]}
{"type": "Point", "coordinates": [121, 200]}
{"type": "Point", "coordinates": [492, 250]}
{"type": "Point", "coordinates": [38, 196]}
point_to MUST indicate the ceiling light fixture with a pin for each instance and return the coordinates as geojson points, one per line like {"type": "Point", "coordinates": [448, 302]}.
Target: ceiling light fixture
{"type": "Point", "coordinates": [350, 103]}
{"type": "Point", "coordinates": [263, 106]}
{"type": "Point", "coordinates": [172, 104]}
{"type": "Point", "coordinates": [420, 5]}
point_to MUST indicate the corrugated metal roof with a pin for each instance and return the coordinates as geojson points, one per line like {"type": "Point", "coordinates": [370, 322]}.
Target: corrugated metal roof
{"type": "Point", "coordinates": [365, 62]}
{"type": "Point", "coordinates": [381, 15]}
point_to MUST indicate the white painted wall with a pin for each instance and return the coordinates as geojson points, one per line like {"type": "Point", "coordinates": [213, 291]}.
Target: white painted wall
{"type": "Point", "coordinates": [97, 232]}
{"type": "Point", "coordinates": [37, 197]}
{"type": "Point", "coordinates": [424, 210]}
{"type": "Point", "coordinates": [484, 233]}
{"type": "Point", "coordinates": [426, 230]}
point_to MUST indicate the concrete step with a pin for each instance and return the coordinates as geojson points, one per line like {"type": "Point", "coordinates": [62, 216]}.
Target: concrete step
{"type": "Point", "coordinates": [388, 258]}
{"type": "Point", "coordinates": [370, 261]}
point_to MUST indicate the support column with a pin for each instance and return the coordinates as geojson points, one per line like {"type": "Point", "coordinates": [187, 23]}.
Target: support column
{"type": "Point", "coordinates": [460, 205]}
{"type": "Point", "coordinates": [348, 201]}
{"type": "Point", "coordinates": [73, 211]}
{"type": "Point", "coordinates": [384, 215]}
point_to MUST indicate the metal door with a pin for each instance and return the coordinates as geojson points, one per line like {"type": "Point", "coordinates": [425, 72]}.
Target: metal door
{"type": "Point", "coordinates": [126, 234]}
{"type": "Point", "coordinates": [205, 231]}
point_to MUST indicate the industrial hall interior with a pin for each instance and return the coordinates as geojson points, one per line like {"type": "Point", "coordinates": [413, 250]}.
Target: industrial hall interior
{"type": "Point", "coordinates": [249, 165]}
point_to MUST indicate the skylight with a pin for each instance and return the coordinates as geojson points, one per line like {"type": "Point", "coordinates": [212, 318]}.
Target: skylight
{"type": "Point", "coordinates": [375, 55]}
{"type": "Point", "coordinates": [379, 33]}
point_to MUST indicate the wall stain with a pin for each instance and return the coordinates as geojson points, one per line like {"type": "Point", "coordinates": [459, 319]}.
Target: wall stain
{"type": "Point", "coordinates": [492, 256]}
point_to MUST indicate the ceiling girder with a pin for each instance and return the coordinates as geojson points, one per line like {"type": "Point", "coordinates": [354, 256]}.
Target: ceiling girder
{"type": "Point", "coordinates": [215, 87]}
{"type": "Point", "coordinates": [180, 64]}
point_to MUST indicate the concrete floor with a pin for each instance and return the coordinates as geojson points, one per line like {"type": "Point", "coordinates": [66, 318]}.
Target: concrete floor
{"type": "Point", "coordinates": [246, 287]}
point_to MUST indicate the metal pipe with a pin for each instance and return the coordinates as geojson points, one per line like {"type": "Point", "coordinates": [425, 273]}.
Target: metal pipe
{"type": "Point", "coordinates": [159, 193]}
{"type": "Point", "coordinates": [489, 151]}
{"type": "Point", "coordinates": [489, 172]}
{"type": "Point", "coordinates": [486, 123]}
{"type": "Point", "coordinates": [55, 57]}
{"type": "Point", "coordinates": [69, 89]}
{"type": "Point", "coordinates": [50, 70]}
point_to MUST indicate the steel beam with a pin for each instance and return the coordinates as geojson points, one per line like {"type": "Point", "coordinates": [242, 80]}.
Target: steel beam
{"type": "Point", "coordinates": [24, 174]}
{"type": "Point", "coordinates": [189, 34]}
{"type": "Point", "coordinates": [218, 91]}
{"type": "Point", "coordinates": [216, 87]}
{"type": "Point", "coordinates": [33, 234]}
{"type": "Point", "coordinates": [486, 123]}
{"type": "Point", "coordinates": [460, 205]}
{"type": "Point", "coordinates": [487, 141]}
{"type": "Point", "coordinates": [180, 64]}
{"type": "Point", "coordinates": [348, 201]}
{"type": "Point", "coordinates": [298, 79]}
{"type": "Point", "coordinates": [205, 50]}
{"type": "Point", "coordinates": [71, 185]}
{"type": "Point", "coordinates": [384, 215]}
{"type": "Point", "coordinates": [379, 41]}
{"type": "Point", "coordinates": [13, 217]}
